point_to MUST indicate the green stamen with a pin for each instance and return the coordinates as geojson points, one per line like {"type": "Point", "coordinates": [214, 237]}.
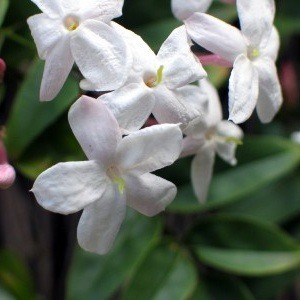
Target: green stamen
{"type": "Point", "coordinates": [233, 140]}
{"type": "Point", "coordinates": [120, 182]}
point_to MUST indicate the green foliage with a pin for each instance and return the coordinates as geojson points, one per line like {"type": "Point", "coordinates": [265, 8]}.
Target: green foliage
{"type": "Point", "coordinates": [103, 275]}
{"type": "Point", "coordinates": [15, 279]}
{"type": "Point", "coordinates": [29, 117]}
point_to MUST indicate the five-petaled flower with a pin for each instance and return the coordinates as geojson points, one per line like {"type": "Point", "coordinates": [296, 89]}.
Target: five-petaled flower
{"type": "Point", "coordinates": [117, 173]}
{"type": "Point", "coordinates": [80, 31]}
{"type": "Point", "coordinates": [207, 136]}
{"type": "Point", "coordinates": [157, 84]}
{"type": "Point", "coordinates": [253, 51]}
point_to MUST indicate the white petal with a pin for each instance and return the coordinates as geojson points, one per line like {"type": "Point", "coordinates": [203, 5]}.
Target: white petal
{"type": "Point", "coordinates": [214, 115]}
{"type": "Point", "coordinates": [202, 170]}
{"type": "Point", "coordinates": [295, 136]}
{"type": "Point", "coordinates": [100, 222]}
{"type": "Point", "coordinates": [226, 149]}
{"type": "Point", "coordinates": [270, 94]}
{"type": "Point", "coordinates": [196, 101]}
{"type": "Point", "coordinates": [216, 36]}
{"type": "Point", "coordinates": [150, 149]}
{"type": "Point", "coordinates": [149, 194]}
{"type": "Point", "coordinates": [171, 108]}
{"type": "Point", "coordinates": [50, 7]}
{"type": "Point", "coordinates": [101, 54]}
{"type": "Point", "coordinates": [272, 47]}
{"type": "Point", "coordinates": [256, 19]}
{"type": "Point", "coordinates": [181, 66]}
{"type": "Point", "coordinates": [104, 10]}
{"type": "Point", "coordinates": [46, 32]}
{"type": "Point", "coordinates": [191, 146]}
{"type": "Point", "coordinates": [144, 59]}
{"type": "Point", "coordinates": [69, 187]}
{"type": "Point", "coordinates": [131, 105]}
{"type": "Point", "coordinates": [59, 62]}
{"type": "Point", "coordinates": [182, 9]}
{"type": "Point", "coordinates": [243, 90]}
{"type": "Point", "coordinates": [95, 128]}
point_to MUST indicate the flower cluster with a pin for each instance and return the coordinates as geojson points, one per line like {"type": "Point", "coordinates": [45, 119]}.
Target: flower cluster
{"type": "Point", "coordinates": [171, 85]}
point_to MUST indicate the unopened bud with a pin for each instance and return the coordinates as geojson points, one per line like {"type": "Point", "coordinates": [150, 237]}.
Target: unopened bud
{"type": "Point", "coordinates": [2, 69]}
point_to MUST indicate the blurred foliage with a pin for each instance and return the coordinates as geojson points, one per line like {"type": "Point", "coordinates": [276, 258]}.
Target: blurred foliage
{"type": "Point", "coordinates": [244, 243]}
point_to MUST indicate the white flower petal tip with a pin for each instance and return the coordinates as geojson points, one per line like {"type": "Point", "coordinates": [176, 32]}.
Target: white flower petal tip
{"type": "Point", "coordinates": [69, 187]}
{"type": "Point", "coordinates": [95, 128]}
{"type": "Point", "coordinates": [7, 176]}
{"type": "Point", "coordinates": [216, 36]}
{"type": "Point", "coordinates": [100, 222]}
{"type": "Point", "coordinates": [154, 148]}
{"type": "Point", "coordinates": [149, 194]}
{"type": "Point", "coordinates": [183, 9]}
{"type": "Point", "coordinates": [295, 137]}
{"type": "Point", "coordinates": [243, 90]}
{"type": "Point", "coordinates": [102, 55]}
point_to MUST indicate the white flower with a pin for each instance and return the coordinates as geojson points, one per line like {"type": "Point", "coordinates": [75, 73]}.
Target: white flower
{"type": "Point", "coordinates": [183, 9]}
{"type": "Point", "coordinates": [295, 136]}
{"type": "Point", "coordinates": [208, 136]}
{"type": "Point", "coordinates": [116, 174]}
{"type": "Point", "coordinates": [153, 85]}
{"type": "Point", "coordinates": [80, 31]}
{"type": "Point", "coordinates": [253, 51]}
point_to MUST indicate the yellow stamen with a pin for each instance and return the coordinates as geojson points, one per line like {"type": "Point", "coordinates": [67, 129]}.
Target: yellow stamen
{"type": "Point", "coordinates": [155, 80]}
{"type": "Point", "coordinates": [71, 23]}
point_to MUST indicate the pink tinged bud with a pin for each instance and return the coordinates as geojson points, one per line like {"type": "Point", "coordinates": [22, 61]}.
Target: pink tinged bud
{"type": "Point", "coordinates": [7, 176]}
{"type": "Point", "coordinates": [2, 69]}
{"type": "Point", "coordinates": [289, 82]}
{"type": "Point", "coordinates": [213, 59]}
{"type": "Point", "coordinates": [7, 172]}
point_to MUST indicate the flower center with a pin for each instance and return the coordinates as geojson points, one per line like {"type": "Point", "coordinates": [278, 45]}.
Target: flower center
{"type": "Point", "coordinates": [253, 53]}
{"type": "Point", "coordinates": [154, 80]}
{"type": "Point", "coordinates": [71, 22]}
{"type": "Point", "coordinates": [115, 175]}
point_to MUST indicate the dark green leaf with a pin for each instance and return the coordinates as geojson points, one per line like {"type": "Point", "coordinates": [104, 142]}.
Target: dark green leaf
{"type": "Point", "coordinates": [3, 9]}
{"type": "Point", "coordinates": [15, 277]}
{"type": "Point", "coordinates": [100, 276]}
{"type": "Point", "coordinates": [239, 182]}
{"type": "Point", "coordinates": [249, 263]}
{"type": "Point", "coordinates": [212, 287]}
{"type": "Point", "coordinates": [30, 117]}
{"type": "Point", "coordinates": [244, 246]}
{"type": "Point", "coordinates": [166, 273]}
{"type": "Point", "coordinates": [278, 202]}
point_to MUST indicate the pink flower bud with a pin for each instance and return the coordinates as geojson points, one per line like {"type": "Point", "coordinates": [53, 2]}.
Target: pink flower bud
{"type": "Point", "coordinates": [7, 172]}
{"type": "Point", "coordinates": [2, 69]}
{"type": "Point", "coordinates": [7, 176]}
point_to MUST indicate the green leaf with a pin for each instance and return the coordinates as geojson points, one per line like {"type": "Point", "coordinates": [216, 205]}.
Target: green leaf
{"type": "Point", "coordinates": [56, 144]}
{"type": "Point", "coordinates": [100, 276]}
{"type": "Point", "coordinates": [249, 263]}
{"type": "Point", "coordinates": [15, 277]}
{"type": "Point", "coordinates": [166, 273]}
{"type": "Point", "coordinates": [30, 117]}
{"type": "Point", "coordinates": [244, 246]}
{"type": "Point", "coordinates": [217, 287]}
{"type": "Point", "coordinates": [239, 182]}
{"type": "Point", "coordinates": [278, 202]}
{"type": "Point", "coordinates": [270, 287]}
{"type": "Point", "coordinates": [3, 9]}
